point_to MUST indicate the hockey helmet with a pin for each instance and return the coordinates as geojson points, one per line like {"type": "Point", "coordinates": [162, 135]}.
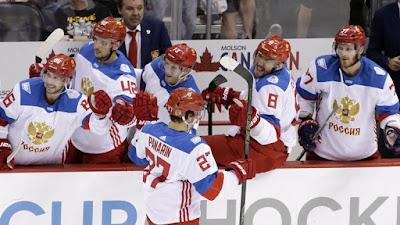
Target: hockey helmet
{"type": "Point", "coordinates": [61, 65]}
{"type": "Point", "coordinates": [182, 55]}
{"type": "Point", "coordinates": [275, 48]}
{"type": "Point", "coordinates": [182, 100]}
{"type": "Point", "coordinates": [110, 28]}
{"type": "Point", "coordinates": [351, 34]}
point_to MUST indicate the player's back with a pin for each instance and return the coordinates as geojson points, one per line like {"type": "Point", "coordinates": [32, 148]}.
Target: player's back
{"type": "Point", "coordinates": [175, 165]}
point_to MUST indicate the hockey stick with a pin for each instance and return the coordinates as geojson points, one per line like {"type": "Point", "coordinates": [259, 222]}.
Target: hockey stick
{"type": "Point", "coordinates": [327, 119]}
{"type": "Point", "coordinates": [218, 80]}
{"type": "Point", "coordinates": [48, 44]}
{"type": "Point", "coordinates": [233, 65]}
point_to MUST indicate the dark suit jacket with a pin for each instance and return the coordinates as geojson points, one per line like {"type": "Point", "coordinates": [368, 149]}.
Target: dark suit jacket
{"type": "Point", "coordinates": [154, 36]}
{"type": "Point", "coordinates": [384, 41]}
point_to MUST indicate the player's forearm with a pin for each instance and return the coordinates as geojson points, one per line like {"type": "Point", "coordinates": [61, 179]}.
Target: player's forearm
{"type": "Point", "coordinates": [99, 126]}
{"type": "Point", "coordinates": [264, 133]}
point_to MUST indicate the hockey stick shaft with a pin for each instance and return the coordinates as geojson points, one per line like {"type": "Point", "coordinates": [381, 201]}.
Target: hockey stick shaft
{"type": "Point", "coordinates": [218, 80]}
{"type": "Point", "coordinates": [232, 64]}
{"type": "Point", "coordinates": [48, 44]}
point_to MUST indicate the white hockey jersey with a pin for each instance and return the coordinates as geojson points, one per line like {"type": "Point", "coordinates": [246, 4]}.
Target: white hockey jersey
{"type": "Point", "coordinates": [350, 133]}
{"type": "Point", "coordinates": [41, 130]}
{"type": "Point", "coordinates": [153, 82]}
{"type": "Point", "coordinates": [181, 168]}
{"type": "Point", "coordinates": [274, 95]}
{"type": "Point", "coordinates": [118, 80]}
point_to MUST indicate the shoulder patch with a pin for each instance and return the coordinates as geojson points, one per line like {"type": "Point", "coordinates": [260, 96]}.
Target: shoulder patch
{"type": "Point", "coordinates": [379, 71]}
{"type": "Point", "coordinates": [26, 87]}
{"type": "Point", "coordinates": [125, 68]}
{"type": "Point", "coordinates": [322, 63]}
{"type": "Point", "coordinates": [195, 140]}
{"type": "Point", "coordinates": [273, 79]}
{"type": "Point", "coordinates": [72, 94]}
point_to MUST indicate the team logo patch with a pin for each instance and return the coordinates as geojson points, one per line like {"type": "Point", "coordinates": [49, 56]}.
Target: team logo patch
{"type": "Point", "coordinates": [86, 86]}
{"type": "Point", "coordinates": [26, 87]}
{"type": "Point", "coordinates": [125, 68]}
{"type": "Point", "coordinates": [347, 110]}
{"type": "Point", "coordinates": [39, 133]}
{"type": "Point", "coordinates": [195, 140]}
{"type": "Point", "coordinates": [273, 79]}
{"type": "Point", "coordinates": [379, 71]}
{"type": "Point", "coordinates": [322, 63]}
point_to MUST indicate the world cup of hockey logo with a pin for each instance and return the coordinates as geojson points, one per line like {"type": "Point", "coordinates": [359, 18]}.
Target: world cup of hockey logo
{"type": "Point", "coordinates": [347, 109]}
{"type": "Point", "coordinates": [39, 133]}
{"type": "Point", "coordinates": [87, 86]}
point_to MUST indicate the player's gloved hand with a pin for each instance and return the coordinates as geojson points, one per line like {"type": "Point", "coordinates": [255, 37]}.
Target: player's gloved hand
{"type": "Point", "coordinates": [221, 95]}
{"type": "Point", "coordinates": [392, 138]}
{"type": "Point", "coordinates": [245, 169]}
{"type": "Point", "coordinates": [100, 103]}
{"type": "Point", "coordinates": [5, 151]}
{"type": "Point", "coordinates": [306, 131]}
{"type": "Point", "coordinates": [122, 112]}
{"type": "Point", "coordinates": [144, 107]}
{"type": "Point", "coordinates": [238, 114]}
{"type": "Point", "coordinates": [35, 69]}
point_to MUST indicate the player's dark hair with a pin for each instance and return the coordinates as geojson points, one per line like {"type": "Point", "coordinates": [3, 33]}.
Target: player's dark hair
{"type": "Point", "coordinates": [119, 3]}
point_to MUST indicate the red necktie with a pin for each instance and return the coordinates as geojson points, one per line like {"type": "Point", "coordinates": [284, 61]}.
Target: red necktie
{"type": "Point", "coordinates": [133, 49]}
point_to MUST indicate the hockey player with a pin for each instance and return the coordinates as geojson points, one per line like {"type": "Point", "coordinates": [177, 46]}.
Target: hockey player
{"type": "Point", "coordinates": [101, 66]}
{"type": "Point", "coordinates": [39, 115]}
{"type": "Point", "coordinates": [274, 113]}
{"type": "Point", "coordinates": [357, 88]}
{"type": "Point", "coordinates": [181, 166]}
{"type": "Point", "coordinates": [159, 79]}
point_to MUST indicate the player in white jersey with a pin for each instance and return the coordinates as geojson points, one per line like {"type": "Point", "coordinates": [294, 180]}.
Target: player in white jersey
{"type": "Point", "coordinates": [38, 117]}
{"type": "Point", "coordinates": [274, 113]}
{"type": "Point", "coordinates": [181, 166]}
{"type": "Point", "coordinates": [101, 66]}
{"type": "Point", "coordinates": [162, 76]}
{"type": "Point", "coordinates": [359, 88]}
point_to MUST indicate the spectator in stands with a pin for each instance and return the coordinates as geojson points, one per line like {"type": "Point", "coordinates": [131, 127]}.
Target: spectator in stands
{"type": "Point", "coordinates": [334, 15]}
{"type": "Point", "coordinates": [246, 9]}
{"type": "Point", "coordinates": [384, 49]}
{"type": "Point", "coordinates": [347, 90]}
{"type": "Point", "coordinates": [273, 116]}
{"type": "Point", "coordinates": [39, 116]}
{"type": "Point", "coordinates": [156, 9]}
{"type": "Point", "coordinates": [150, 35]}
{"type": "Point", "coordinates": [79, 16]}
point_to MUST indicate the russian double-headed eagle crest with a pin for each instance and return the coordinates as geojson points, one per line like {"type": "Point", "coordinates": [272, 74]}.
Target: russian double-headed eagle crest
{"type": "Point", "coordinates": [39, 133]}
{"type": "Point", "coordinates": [347, 109]}
{"type": "Point", "coordinates": [86, 86]}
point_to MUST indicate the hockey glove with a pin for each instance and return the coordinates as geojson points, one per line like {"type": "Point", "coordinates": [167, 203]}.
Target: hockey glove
{"type": "Point", "coordinates": [35, 70]}
{"type": "Point", "coordinates": [245, 169]}
{"type": "Point", "coordinates": [220, 95]}
{"type": "Point", "coordinates": [392, 138]}
{"type": "Point", "coordinates": [306, 131]}
{"type": "Point", "coordinates": [144, 107]}
{"type": "Point", "coordinates": [100, 102]}
{"type": "Point", "coordinates": [122, 112]}
{"type": "Point", "coordinates": [5, 151]}
{"type": "Point", "coordinates": [238, 115]}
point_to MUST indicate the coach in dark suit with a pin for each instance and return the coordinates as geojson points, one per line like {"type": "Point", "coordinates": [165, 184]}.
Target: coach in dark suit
{"type": "Point", "coordinates": [150, 35]}
{"type": "Point", "coordinates": [384, 49]}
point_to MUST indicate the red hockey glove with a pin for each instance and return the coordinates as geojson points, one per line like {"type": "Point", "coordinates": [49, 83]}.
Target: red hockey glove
{"type": "Point", "coordinates": [392, 138]}
{"type": "Point", "coordinates": [145, 108]}
{"type": "Point", "coordinates": [220, 95]}
{"type": "Point", "coordinates": [35, 70]}
{"type": "Point", "coordinates": [5, 151]}
{"type": "Point", "coordinates": [238, 115]}
{"type": "Point", "coordinates": [245, 169]}
{"type": "Point", "coordinates": [100, 102]}
{"type": "Point", "coordinates": [122, 113]}
{"type": "Point", "coordinates": [306, 131]}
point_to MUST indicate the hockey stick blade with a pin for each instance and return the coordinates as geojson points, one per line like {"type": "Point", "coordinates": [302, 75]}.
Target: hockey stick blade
{"type": "Point", "coordinates": [233, 65]}
{"type": "Point", "coordinates": [48, 44]}
{"type": "Point", "coordinates": [218, 80]}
